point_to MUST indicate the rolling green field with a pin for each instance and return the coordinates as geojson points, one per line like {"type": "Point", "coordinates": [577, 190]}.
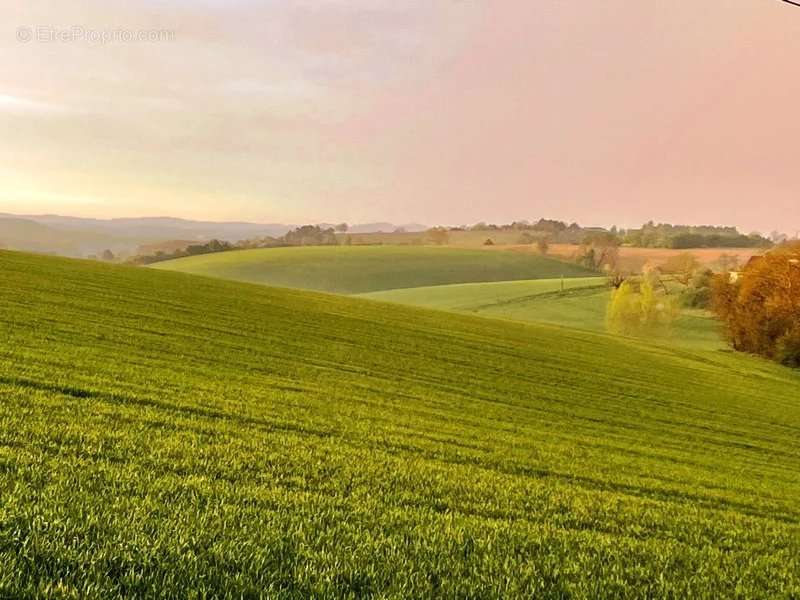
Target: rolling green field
{"type": "Point", "coordinates": [177, 436]}
{"type": "Point", "coordinates": [354, 270]}
{"type": "Point", "coordinates": [582, 304]}
{"type": "Point", "coordinates": [476, 297]}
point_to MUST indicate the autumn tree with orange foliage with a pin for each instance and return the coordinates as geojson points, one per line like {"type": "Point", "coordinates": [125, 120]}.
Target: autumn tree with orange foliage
{"type": "Point", "coordinates": [761, 308]}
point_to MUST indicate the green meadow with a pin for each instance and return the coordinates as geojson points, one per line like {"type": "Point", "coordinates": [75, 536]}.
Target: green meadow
{"type": "Point", "coordinates": [579, 302]}
{"type": "Point", "coordinates": [477, 297]}
{"type": "Point", "coordinates": [168, 435]}
{"type": "Point", "coordinates": [360, 269]}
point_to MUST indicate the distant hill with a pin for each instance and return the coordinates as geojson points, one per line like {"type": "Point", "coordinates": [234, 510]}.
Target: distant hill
{"type": "Point", "coordinates": [26, 234]}
{"type": "Point", "coordinates": [386, 228]}
{"type": "Point", "coordinates": [78, 236]}
{"type": "Point", "coordinates": [161, 228]}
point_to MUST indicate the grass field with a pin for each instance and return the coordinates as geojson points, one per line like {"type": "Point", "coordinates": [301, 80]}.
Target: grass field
{"type": "Point", "coordinates": [175, 436]}
{"type": "Point", "coordinates": [352, 270]}
{"type": "Point", "coordinates": [582, 304]}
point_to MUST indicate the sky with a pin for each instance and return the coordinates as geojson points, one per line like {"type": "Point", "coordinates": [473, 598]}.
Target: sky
{"type": "Point", "coordinates": [432, 111]}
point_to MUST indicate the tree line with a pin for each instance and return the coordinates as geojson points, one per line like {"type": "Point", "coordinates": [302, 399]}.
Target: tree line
{"type": "Point", "coordinates": [665, 235]}
{"type": "Point", "coordinates": [649, 235]}
{"type": "Point", "coordinates": [306, 235]}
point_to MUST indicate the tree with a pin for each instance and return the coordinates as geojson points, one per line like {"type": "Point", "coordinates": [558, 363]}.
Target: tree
{"type": "Point", "coordinates": [587, 258]}
{"type": "Point", "coordinates": [616, 279]}
{"type": "Point", "coordinates": [761, 308]}
{"type": "Point", "coordinates": [776, 237]}
{"type": "Point", "coordinates": [311, 235]}
{"type": "Point", "coordinates": [600, 251]}
{"type": "Point", "coordinates": [682, 266]}
{"type": "Point", "coordinates": [439, 236]}
{"type": "Point", "coordinates": [107, 255]}
{"type": "Point", "coordinates": [622, 316]}
{"type": "Point", "coordinates": [646, 311]}
{"type": "Point", "coordinates": [208, 248]}
{"type": "Point", "coordinates": [542, 246]}
{"type": "Point", "coordinates": [217, 246]}
{"type": "Point", "coordinates": [727, 263]}
{"type": "Point", "coordinates": [551, 226]}
{"type": "Point", "coordinates": [342, 228]}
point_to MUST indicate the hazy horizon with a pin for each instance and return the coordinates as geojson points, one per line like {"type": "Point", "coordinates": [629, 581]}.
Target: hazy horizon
{"type": "Point", "coordinates": [791, 234]}
{"type": "Point", "coordinates": [451, 112]}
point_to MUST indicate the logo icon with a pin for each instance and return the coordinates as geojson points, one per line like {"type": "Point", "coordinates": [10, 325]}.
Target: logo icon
{"type": "Point", "coordinates": [24, 34]}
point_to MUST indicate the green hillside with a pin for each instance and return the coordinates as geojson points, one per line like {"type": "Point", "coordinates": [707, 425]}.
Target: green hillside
{"type": "Point", "coordinates": [175, 436]}
{"type": "Point", "coordinates": [353, 270]}
{"type": "Point", "coordinates": [582, 304]}
{"type": "Point", "coordinates": [480, 296]}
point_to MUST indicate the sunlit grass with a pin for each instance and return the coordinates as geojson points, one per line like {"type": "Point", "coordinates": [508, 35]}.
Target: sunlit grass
{"type": "Point", "coordinates": [353, 270]}
{"type": "Point", "coordinates": [168, 435]}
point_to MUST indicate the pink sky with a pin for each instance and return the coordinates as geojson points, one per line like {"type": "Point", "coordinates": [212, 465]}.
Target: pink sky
{"type": "Point", "coordinates": [438, 111]}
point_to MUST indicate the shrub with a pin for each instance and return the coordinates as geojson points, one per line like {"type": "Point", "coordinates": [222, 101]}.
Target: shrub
{"type": "Point", "coordinates": [698, 293]}
{"type": "Point", "coordinates": [787, 350]}
{"type": "Point", "coordinates": [696, 297]}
